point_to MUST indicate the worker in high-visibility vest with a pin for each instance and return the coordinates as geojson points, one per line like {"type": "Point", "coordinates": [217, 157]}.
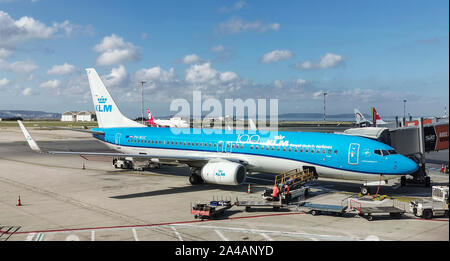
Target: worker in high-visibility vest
{"type": "Point", "coordinates": [287, 194]}
{"type": "Point", "coordinates": [275, 192]}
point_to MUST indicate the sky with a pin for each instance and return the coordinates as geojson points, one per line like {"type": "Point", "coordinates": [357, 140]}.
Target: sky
{"type": "Point", "coordinates": [361, 53]}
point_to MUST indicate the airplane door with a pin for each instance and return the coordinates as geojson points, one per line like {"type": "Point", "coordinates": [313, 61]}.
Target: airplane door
{"type": "Point", "coordinates": [118, 138]}
{"type": "Point", "coordinates": [224, 146]}
{"type": "Point", "coordinates": [220, 146]}
{"type": "Point", "coordinates": [228, 147]}
{"type": "Point", "coordinates": [353, 154]}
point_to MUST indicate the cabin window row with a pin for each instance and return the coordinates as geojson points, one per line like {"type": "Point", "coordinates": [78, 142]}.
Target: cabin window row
{"type": "Point", "coordinates": [237, 146]}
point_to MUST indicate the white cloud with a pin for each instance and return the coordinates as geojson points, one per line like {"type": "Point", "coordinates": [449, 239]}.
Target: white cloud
{"type": "Point", "coordinates": [155, 74]}
{"type": "Point", "coordinates": [4, 82]}
{"type": "Point", "coordinates": [205, 74]}
{"type": "Point", "coordinates": [328, 61]}
{"type": "Point", "coordinates": [51, 84]}
{"type": "Point", "coordinates": [236, 7]}
{"type": "Point", "coordinates": [237, 25]}
{"type": "Point", "coordinates": [278, 83]}
{"type": "Point", "coordinates": [27, 92]}
{"type": "Point", "coordinates": [218, 48]}
{"type": "Point", "coordinates": [19, 66]}
{"type": "Point", "coordinates": [191, 58]}
{"type": "Point", "coordinates": [115, 51]}
{"type": "Point", "coordinates": [5, 53]}
{"type": "Point", "coordinates": [276, 55]}
{"type": "Point", "coordinates": [12, 31]}
{"type": "Point", "coordinates": [27, 28]}
{"type": "Point", "coordinates": [117, 77]}
{"type": "Point", "coordinates": [62, 69]}
{"type": "Point", "coordinates": [300, 82]}
{"type": "Point", "coordinates": [228, 76]}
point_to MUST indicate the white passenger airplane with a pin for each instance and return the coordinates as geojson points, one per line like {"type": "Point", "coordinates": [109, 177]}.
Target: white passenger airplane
{"type": "Point", "coordinates": [226, 157]}
{"type": "Point", "coordinates": [171, 123]}
{"type": "Point", "coordinates": [361, 121]}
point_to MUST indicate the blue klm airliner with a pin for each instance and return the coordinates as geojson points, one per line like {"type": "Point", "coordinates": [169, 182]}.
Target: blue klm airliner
{"type": "Point", "coordinates": [227, 157]}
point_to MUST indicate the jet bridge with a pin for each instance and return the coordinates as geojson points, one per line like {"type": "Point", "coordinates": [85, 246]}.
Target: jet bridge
{"type": "Point", "coordinates": [411, 141]}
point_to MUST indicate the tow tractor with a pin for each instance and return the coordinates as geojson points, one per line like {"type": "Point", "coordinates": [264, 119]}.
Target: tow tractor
{"type": "Point", "coordinates": [211, 210]}
{"type": "Point", "coordinates": [291, 186]}
{"type": "Point", "coordinates": [436, 206]}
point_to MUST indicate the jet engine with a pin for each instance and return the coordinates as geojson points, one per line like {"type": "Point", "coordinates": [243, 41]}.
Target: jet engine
{"type": "Point", "coordinates": [223, 172]}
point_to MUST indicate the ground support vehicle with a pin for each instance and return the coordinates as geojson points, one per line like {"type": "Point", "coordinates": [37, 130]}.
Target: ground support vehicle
{"type": "Point", "coordinates": [210, 210]}
{"type": "Point", "coordinates": [434, 207]}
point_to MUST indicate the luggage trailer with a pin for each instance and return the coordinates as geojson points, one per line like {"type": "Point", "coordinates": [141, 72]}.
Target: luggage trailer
{"type": "Point", "coordinates": [352, 207]}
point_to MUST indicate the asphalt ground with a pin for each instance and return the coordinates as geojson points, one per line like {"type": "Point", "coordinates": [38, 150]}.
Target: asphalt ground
{"type": "Point", "coordinates": [61, 201]}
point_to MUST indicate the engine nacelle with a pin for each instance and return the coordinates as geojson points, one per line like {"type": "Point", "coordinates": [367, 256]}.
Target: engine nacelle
{"type": "Point", "coordinates": [224, 173]}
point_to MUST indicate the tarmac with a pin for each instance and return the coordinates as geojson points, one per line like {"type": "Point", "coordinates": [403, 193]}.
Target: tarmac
{"type": "Point", "coordinates": [62, 201]}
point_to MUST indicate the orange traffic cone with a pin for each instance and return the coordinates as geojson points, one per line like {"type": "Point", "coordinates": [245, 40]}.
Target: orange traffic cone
{"type": "Point", "coordinates": [19, 203]}
{"type": "Point", "coordinates": [249, 189]}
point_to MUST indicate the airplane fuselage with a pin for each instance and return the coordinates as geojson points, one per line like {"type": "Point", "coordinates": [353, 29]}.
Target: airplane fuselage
{"type": "Point", "coordinates": [331, 155]}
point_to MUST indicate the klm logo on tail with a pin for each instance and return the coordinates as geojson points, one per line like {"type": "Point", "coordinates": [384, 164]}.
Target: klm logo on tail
{"type": "Point", "coordinates": [102, 107]}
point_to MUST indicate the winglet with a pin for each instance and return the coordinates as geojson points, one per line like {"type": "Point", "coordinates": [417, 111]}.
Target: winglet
{"type": "Point", "coordinates": [31, 142]}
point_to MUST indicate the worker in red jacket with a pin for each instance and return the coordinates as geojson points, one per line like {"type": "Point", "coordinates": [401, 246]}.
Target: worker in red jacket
{"type": "Point", "coordinates": [287, 194]}
{"type": "Point", "coordinates": [275, 192]}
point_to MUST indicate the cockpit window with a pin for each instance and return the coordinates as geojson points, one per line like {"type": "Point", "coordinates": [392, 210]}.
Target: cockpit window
{"type": "Point", "coordinates": [384, 152]}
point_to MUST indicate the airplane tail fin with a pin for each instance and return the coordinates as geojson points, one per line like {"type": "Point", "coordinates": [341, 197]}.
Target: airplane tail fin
{"type": "Point", "coordinates": [376, 118]}
{"type": "Point", "coordinates": [359, 117]}
{"type": "Point", "coordinates": [108, 114]}
{"type": "Point", "coordinates": [150, 120]}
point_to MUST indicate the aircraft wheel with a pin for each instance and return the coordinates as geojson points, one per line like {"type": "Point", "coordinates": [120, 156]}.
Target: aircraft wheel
{"type": "Point", "coordinates": [403, 181]}
{"type": "Point", "coordinates": [427, 182]}
{"type": "Point", "coordinates": [365, 190]}
{"type": "Point", "coordinates": [195, 179]}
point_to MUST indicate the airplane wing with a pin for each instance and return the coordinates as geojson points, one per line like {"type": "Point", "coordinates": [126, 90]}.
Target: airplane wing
{"type": "Point", "coordinates": [185, 158]}
{"type": "Point", "coordinates": [73, 129]}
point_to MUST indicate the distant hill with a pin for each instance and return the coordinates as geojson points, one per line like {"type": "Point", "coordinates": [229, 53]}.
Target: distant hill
{"type": "Point", "coordinates": [317, 116]}
{"type": "Point", "coordinates": [29, 114]}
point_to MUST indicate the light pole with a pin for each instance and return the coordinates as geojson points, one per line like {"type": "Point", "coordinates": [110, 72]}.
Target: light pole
{"type": "Point", "coordinates": [404, 109]}
{"type": "Point", "coordinates": [324, 94]}
{"type": "Point", "coordinates": [142, 103]}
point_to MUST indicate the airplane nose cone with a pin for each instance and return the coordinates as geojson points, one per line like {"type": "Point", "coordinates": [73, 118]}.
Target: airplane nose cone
{"type": "Point", "coordinates": [408, 166]}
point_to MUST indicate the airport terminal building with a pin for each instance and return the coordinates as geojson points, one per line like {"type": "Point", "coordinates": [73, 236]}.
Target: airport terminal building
{"type": "Point", "coordinates": [78, 116]}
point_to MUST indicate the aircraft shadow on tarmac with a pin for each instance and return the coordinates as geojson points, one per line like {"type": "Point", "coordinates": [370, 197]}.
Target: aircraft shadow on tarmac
{"type": "Point", "coordinates": [266, 179]}
{"type": "Point", "coordinates": [186, 189]}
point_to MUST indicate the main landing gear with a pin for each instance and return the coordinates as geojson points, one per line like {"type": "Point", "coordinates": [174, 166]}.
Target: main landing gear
{"type": "Point", "coordinates": [195, 178]}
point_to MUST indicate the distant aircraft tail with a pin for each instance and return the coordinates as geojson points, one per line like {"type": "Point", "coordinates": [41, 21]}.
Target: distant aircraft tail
{"type": "Point", "coordinates": [376, 118]}
{"type": "Point", "coordinates": [108, 114]}
{"type": "Point", "coordinates": [359, 117]}
{"type": "Point", "coordinates": [150, 120]}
